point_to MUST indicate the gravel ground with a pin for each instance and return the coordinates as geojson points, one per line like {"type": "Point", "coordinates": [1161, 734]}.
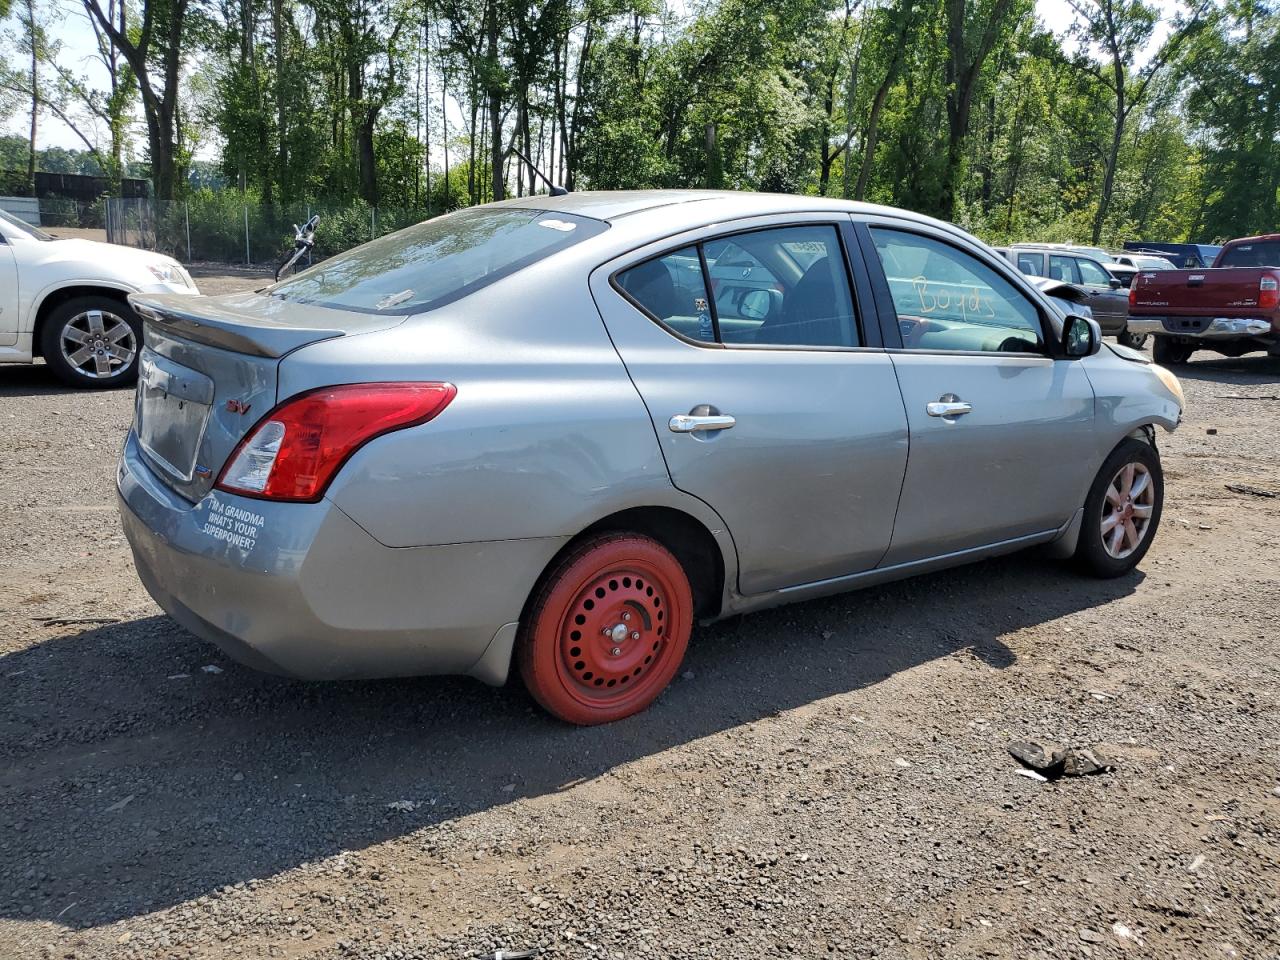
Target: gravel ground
{"type": "Point", "coordinates": [827, 779]}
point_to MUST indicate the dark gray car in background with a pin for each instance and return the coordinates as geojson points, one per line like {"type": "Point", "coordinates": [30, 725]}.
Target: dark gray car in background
{"type": "Point", "coordinates": [562, 430]}
{"type": "Point", "coordinates": [1107, 297]}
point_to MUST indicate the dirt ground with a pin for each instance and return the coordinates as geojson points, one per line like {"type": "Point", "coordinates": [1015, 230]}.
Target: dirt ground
{"type": "Point", "coordinates": [827, 779]}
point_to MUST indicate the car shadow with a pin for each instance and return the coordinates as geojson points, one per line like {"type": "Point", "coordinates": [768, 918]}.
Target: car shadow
{"type": "Point", "coordinates": [30, 380]}
{"type": "Point", "coordinates": [135, 777]}
{"type": "Point", "coordinates": [37, 380]}
{"type": "Point", "coordinates": [1247, 370]}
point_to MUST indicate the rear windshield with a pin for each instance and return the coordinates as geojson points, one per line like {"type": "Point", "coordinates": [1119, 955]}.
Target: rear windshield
{"type": "Point", "coordinates": [437, 261]}
{"type": "Point", "coordinates": [1261, 253]}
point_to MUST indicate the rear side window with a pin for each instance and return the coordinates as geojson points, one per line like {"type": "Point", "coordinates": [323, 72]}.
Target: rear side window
{"type": "Point", "coordinates": [1262, 253]}
{"type": "Point", "coordinates": [671, 288]}
{"type": "Point", "coordinates": [1030, 263]}
{"type": "Point", "coordinates": [437, 261]}
{"type": "Point", "coordinates": [784, 286]}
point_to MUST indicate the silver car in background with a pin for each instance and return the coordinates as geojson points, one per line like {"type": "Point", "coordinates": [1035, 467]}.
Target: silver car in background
{"type": "Point", "coordinates": [561, 430]}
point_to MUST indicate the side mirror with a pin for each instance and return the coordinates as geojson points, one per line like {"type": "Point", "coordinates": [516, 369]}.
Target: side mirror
{"type": "Point", "coordinates": [1115, 284]}
{"type": "Point", "coordinates": [1081, 336]}
{"type": "Point", "coordinates": [756, 305]}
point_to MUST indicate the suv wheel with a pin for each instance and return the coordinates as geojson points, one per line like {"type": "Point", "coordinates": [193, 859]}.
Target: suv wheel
{"type": "Point", "coordinates": [1168, 352]}
{"type": "Point", "coordinates": [1134, 341]}
{"type": "Point", "coordinates": [92, 342]}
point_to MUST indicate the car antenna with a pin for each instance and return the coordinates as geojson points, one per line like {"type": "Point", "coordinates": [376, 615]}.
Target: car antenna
{"type": "Point", "coordinates": [555, 189]}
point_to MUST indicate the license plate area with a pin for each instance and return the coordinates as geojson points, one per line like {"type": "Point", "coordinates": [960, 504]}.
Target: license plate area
{"type": "Point", "coordinates": [173, 408]}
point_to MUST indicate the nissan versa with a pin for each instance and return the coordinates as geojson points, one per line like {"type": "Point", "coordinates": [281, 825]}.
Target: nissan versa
{"type": "Point", "coordinates": [560, 430]}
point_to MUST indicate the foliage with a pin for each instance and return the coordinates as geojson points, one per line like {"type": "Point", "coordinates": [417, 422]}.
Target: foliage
{"type": "Point", "coordinates": [1139, 120]}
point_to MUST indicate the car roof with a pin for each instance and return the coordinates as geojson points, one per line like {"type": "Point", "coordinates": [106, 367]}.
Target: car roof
{"type": "Point", "coordinates": [681, 209]}
{"type": "Point", "coordinates": [1261, 238]}
{"type": "Point", "coordinates": [1051, 248]}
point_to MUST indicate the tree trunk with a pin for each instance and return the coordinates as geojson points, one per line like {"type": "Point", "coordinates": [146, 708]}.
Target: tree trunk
{"type": "Point", "coordinates": [963, 71]}
{"type": "Point", "coordinates": [850, 98]}
{"type": "Point", "coordinates": [988, 160]}
{"type": "Point", "coordinates": [715, 176]}
{"type": "Point", "coordinates": [1109, 167]}
{"type": "Point", "coordinates": [495, 101]}
{"type": "Point", "coordinates": [35, 95]}
{"type": "Point", "coordinates": [828, 156]}
{"type": "Point", "coordinates": [118, 107]}
{"type": "Point", "coordinates": [571, 138]}
{"type": "Point", "coordinates": [363, 119]}
{"type": "Point", "coordinates": [471, 168]}
{"type": "Point", "coordinates": [873, 134]}
{"type": "Point", "coordinates": [444, 140]}
{"type": "Point", "coordinates": [282, 116]}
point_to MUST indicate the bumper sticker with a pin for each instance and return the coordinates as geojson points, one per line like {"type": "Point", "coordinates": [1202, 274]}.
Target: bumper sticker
{"type": "Point", "coordinates": [233, 525]}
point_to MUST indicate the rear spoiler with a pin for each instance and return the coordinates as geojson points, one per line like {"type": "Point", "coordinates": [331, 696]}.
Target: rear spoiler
{"type": "Point", "coordinates": [214, 324]}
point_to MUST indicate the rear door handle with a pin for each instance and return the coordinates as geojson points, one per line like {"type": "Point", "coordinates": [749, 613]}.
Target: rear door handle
{"type": "Point", "coordinates": [688, 423]}
{"type": "Point", "coordinates": [948, 405]}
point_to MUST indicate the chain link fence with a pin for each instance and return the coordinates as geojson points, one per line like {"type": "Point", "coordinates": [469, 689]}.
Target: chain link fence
{"type": "Point", "coordinates": [66, 216]}
{"type": "Point", "coordinates": [222, 228]}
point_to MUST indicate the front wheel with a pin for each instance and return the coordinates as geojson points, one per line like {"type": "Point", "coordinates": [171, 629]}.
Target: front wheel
{"type": "Point", "coordinates": [607, 629]}
{"type": "Point", "coordinates": [1122, 511]}
{"type": "Point", "coordinates": [92, 342]}
{"type": "Point", "coordinates": [1134, 341]}
{"type": "Point", "coordinates": [1168, 352]}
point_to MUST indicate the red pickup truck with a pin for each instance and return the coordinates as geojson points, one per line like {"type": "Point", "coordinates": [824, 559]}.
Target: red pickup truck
{"type": "Point", "coordinates": [1231, 308]}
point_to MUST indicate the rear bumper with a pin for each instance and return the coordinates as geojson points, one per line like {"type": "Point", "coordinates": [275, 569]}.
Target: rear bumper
{"type": "Point", "coordinates": [1145, 326]}
{"type": "Point", "coordinates": [1205, 328]}
{"type": "Point", "coordinates": [303, 590]}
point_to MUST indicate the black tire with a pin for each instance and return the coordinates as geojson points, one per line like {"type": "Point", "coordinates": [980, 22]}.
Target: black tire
{"type": "Point", "coordinates": [1092, 554]}
{"type": "Point", "coordinates": [1168, 352]}
{"type": "Point", "coordinates": [106, 365]}
{"type": "Point", "coordinates": [1134, 341]}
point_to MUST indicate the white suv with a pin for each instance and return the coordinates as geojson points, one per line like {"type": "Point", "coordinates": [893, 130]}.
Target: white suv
{"type": "Point", "coordinates": [65, 300]}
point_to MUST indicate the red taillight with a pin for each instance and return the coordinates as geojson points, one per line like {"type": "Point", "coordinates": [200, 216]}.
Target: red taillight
{"type": "Point", "coordinates": [1133, 292]}
{"type": "Point", "coordinates": [293, 452]}
{"type": "Point", "coordinates": [1268, 294]}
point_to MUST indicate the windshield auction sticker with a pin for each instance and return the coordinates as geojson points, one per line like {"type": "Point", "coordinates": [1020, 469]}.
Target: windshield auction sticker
{"type": "Point", "coordinates": [231, 524]}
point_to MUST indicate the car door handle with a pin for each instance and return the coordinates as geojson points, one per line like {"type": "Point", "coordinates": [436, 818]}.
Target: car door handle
{"type": "Point", "coordinates": [688, 423]}
{"type": "Point", "coordinates": [948, 405]}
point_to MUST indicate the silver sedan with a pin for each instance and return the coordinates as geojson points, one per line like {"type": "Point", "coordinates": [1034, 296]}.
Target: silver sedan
{"type": "Point", "coordinates": [561, 430]}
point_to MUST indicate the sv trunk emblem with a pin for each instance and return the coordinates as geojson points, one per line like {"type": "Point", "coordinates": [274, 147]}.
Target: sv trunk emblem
{"type": "Point", "coordinates": [238, 406]}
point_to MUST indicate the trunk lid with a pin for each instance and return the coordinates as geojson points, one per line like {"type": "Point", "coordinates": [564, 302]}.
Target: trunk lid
{"type": "Point", "coordinates": [1211, 292]}
{"type": "Point", "coordinates": [209, 370]}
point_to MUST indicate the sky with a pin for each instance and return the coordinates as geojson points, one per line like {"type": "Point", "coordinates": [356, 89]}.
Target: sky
{"type": "Point", "coordinates": [78, 50]}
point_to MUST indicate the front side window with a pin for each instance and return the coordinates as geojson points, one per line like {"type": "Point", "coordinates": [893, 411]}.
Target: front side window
{"type": "Point", "coordinates": [437, 261]}
{"type": "Point", "coordinates": [1063, 268]}
{"type": "Point", "coordinates": [1092, 274]}
{"type": "Point", "coordinates": [948, 300]}
{"type": "Point", "coordinates": [785, 286]}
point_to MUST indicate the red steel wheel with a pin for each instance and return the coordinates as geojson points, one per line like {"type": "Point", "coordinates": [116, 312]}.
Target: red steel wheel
{"type": "Point", "coordinates": [607, 630]}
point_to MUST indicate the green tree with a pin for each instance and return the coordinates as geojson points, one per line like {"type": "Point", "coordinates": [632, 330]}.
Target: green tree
{"type": "Point", "coordinates": [1234, 71]}
{"type": "Point", "coordinates": [154, 51]}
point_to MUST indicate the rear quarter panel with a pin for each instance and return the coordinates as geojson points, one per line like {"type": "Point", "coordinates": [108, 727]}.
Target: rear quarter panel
{"type": "Point", "coordinates": [546, 435]}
